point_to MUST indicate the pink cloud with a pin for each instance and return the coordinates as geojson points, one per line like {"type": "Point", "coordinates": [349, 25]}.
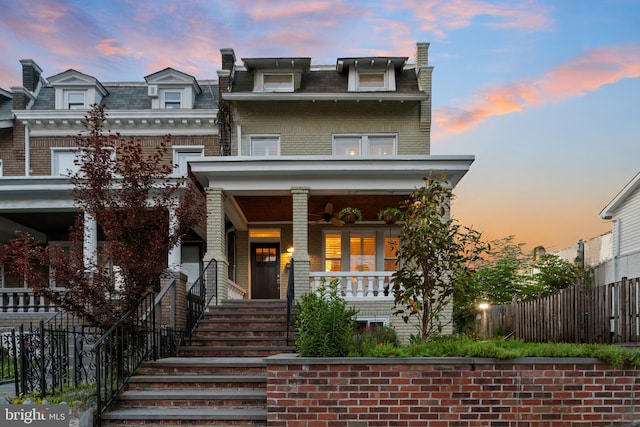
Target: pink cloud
{"type": "Point", "coordinates": [587, 73]}
{"type": "Point", "coordinates": [439, 16]}
{"type": "Point", "coordinates": [110, 47]}
{"type": "Point", "coordinates": [269, 10]}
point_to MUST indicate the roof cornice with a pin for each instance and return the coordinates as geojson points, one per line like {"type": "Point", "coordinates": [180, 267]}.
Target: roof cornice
{"type": "Point", "coordinates": [351, 96]}
{"type": "Point", "coordinates": [609, 210]}
{"type": "Point", "coordinates": [126, 122]}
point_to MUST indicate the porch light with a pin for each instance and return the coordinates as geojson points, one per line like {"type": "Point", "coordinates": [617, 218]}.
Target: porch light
{"type": "Point", "coordinates": [483, 306]}
{"type": "Point", "coordinates": [290, 249]}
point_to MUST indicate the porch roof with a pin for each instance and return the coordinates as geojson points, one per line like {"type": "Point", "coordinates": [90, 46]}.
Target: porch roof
{"type": "Point", "coordinates": [258, 189]}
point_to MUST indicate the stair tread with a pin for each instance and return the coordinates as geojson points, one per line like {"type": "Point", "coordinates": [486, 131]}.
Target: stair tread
{"type": "Point", "coordinates": [191, 394]}
{"type": "Point", "coordinates": [150, 378]}
{"type": "Point", "coordinates": [243, 362]}
{"type": "Point", "coordinates": [180, 413]}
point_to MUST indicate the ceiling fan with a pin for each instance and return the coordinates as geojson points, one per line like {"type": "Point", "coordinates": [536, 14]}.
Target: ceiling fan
{"type": "Point", "coordinates": [328, 216]}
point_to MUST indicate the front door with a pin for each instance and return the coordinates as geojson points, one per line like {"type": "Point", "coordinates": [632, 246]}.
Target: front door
{"type": "Point", "coordinates": [265, 271]}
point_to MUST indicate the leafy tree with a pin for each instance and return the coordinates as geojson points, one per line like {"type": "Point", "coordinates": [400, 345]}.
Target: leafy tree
{"type": "Point", "coordinates": [551, 274]}
{"type": "Point", "coordinates": [435, 253]}
{"type": "Point", "coordinates": [142, 211]}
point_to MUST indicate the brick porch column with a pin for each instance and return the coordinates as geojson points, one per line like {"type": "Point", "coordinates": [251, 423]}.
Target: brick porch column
{"type": "Point", "coordinates": [301, 239]}
{"type": "Point", "coordinates": [216, 243]}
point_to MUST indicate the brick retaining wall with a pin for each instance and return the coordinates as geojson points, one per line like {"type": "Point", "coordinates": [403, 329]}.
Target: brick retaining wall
{"type": "Point", "coordinates": [450, 392]}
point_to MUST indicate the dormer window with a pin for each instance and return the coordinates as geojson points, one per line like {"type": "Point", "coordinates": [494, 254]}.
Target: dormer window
{"type": "Point", "coordinates": [371, 81]}
{"type": "Point", "coordinates": [374, 74]}
{"type": "Point", "coordinates": [75, 100]}
{"type": "Point", "coordinates": [172, 99]}
{"type": "Point", "coordinates": [277, 82]}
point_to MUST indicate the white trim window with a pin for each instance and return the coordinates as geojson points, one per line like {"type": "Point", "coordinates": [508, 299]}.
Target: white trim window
{"type": "Point", "coordinates": [372, 80]}
{"type": "Point", "coordinates": [75, 100]}
{"type": "Point", "coordinates": [361, 251]}
{"type": "Point", "coordinates": [171, 98]}
{"type": "Point", "coordinates": [262, 146]}
{"type": "Point", "coordinates": [277, 82]}
{"type": "Point", "coordinates": [368, 145]}
{"type": "Point", "coordinates": [182, 154]}
{"type": "Point", "coordinates": [63, 160]}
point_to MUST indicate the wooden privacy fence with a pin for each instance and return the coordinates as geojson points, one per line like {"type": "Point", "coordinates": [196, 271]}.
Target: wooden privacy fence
{"type": "Point", "coordinates": [600, 314]}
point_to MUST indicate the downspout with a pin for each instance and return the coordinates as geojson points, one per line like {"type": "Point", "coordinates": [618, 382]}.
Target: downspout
{"type": "Point", "coordinates": [239, 133]}
{"type": "Point", "coordinates": [27, 151]}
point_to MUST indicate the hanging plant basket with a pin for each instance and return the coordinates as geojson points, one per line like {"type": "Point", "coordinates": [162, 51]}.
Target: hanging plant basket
{"type": "Point", "coordinates": [390, 215]}
{"type": "Point", "coordinates": [350, 215]}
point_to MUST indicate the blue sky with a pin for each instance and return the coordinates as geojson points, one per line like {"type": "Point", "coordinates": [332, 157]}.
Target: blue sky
{"type": "Point", "coordinates": [545, 94]}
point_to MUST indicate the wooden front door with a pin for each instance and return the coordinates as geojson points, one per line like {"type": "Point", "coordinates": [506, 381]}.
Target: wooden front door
{"type": "Point", "coordinates": [265, 271]}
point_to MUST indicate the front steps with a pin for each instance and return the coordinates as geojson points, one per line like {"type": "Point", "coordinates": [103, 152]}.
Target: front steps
{"type": "Point", "coordinates": [241, 328]}
{"type": "Point", "coordinates": [219, 378]}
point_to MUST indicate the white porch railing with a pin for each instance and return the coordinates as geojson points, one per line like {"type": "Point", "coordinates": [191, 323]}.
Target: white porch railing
{"type": "Point", "coordinates": [24, 300]}
{"type": "Point", "coordinates": [356, 285]}
{"type": "Point", "coordinates": [235, 291]}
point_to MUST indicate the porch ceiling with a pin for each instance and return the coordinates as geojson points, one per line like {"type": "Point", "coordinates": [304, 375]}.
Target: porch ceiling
{"type": "Point", "coordinates": [279, 208]}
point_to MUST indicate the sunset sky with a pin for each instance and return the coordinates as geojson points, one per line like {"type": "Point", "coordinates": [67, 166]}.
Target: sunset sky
{"type": "Point", "coordinates": [545, 94]}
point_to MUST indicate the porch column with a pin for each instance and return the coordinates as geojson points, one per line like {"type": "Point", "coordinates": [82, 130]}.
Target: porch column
{"type": "Point", "coordinates": [216, 244]}
{"type": "Point", "coordinates": [90, 241]}
{"type": "Point", "coordinates": [175, 253]}
{"type": "Point", "coordinates": [301, 240]}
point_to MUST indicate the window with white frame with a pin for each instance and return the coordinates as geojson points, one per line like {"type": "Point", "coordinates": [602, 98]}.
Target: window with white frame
{"type": "Point", "coordinates": [372, 145]}
{"type": "Point", "coordinates": [181, 156]}
{"type": "Point", "coordinates": [75, 100]}
{"type": "Point", "coordinates": [171, 98]}
{"type": "Point", "coordinates": [262, 145]}
{"type": "Point", "coordinates": [372, 79]}
{"type": "Point", "coordinates": [63, 160]}
{"type": "Point", "coordinates": [366, 251]}
{"type": "Point", "coordinates": [277, 82]}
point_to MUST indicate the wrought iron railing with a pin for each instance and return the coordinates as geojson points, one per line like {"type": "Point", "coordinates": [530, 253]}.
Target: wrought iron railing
{"type": "Point", "coordinates": [291, 295]}
{"type": "Point", "coordinates": [198, 297]}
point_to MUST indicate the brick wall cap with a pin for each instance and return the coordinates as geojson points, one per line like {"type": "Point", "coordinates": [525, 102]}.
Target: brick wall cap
{"type": "Point", "coordinates": [295, 359]}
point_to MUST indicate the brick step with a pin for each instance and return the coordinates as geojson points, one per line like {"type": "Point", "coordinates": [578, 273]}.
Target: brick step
{"type": "Point", "coordinates": [238, 312]}
{"type": "Point", "coordinates": [234, 351]}
{"type": "Point", "coordinates": [205, 366]}
{"type": "Point", "coordinates": [191, 398]}
{"type": "Point", "coordinates": [235, 341]}
{"type": "Point", "coordinates": [255, 303]}
{"type": "Point", "coordinates": [246, 324]}
{"type": "Point", "coordinates": [195, 382]}
{"type": "Point", "coordinates": [252, 417]}
{"type": "Point", "coordinates": [280, 331]}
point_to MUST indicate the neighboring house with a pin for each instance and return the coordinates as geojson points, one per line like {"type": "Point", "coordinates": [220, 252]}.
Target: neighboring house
{"type": "Point", "coordinates": [309, 140]}
{"type": "Point", "coordinates": [624, 213]}
{"type": "Point", "coordinates": [36, 151]}
{"type": "Point", "coordinates": [596, 254]}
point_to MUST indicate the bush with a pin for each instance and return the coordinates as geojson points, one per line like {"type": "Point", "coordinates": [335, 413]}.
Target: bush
{"type": "Point", "coordinates": [324, 324]}
{"type": "Point", "coordinates": [375, 336]}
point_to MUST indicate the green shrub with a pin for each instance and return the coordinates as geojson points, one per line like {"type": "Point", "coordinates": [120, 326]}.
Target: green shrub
{"type": "Point", "coordinates": [324, 324]}
{"type": "Point", "coordinates": [373, 337]}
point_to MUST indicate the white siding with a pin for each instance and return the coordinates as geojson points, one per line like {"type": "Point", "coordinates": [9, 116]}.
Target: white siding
{"type": "Point", "coordinates": [628, 221]}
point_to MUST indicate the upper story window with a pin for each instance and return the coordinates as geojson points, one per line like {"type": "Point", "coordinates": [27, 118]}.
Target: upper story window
{"type": "Point", "coordinates": [371, 74]}
{"type": "Point", "coordinates": [371, 81]}
{"type": "Point", "coordinates": [371, 145]}
{"type": "Point", "coordinates": [262, 145]}
{"type": "Point", "coordinates": [272, 82]}
{"type": "Point", "coordinates": [75, 100]}
{"type": "Point", "coordinates": [181, 156]}
{"type": "Point", "coordinates": [171, 99]}
{"type": "Point", "coordinates": [63, 160]}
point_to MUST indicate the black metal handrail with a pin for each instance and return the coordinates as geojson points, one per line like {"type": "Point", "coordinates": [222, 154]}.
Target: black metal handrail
{"type": "Point", "coordinates": [197, 298]}
{"type": "Point", "coordinates": [290, 296]}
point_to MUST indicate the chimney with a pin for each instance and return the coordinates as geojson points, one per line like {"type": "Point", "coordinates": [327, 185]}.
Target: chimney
{"type": "Point", "coordinates": [228, 58]}
{"type": "Point", "coordinates": [21, 97]}
{"type": "Point", "coordinates": [422, 55]}
{"type": "Point", "coordinates": [31, 73]}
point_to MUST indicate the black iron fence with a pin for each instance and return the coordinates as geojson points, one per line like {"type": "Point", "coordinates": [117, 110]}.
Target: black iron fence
{"type": "Point", "coordinates": [64, 351]}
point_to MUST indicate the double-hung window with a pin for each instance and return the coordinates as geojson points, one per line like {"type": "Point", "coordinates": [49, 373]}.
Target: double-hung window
{"type": "Point", "coordinates": [75, 100]}
{"type": "Point", "coordinates": [360, 251]}
{"type": "Point", "coordinates": [372, 145]}
{"type": "Point", "coordinates": [262, 145]}
{"type": "Point", "coordinates": [172, 99]}
{"type": "Point", "coordinates": [181, 155]}
{"type": "Point", "coordinates": [63, 160]}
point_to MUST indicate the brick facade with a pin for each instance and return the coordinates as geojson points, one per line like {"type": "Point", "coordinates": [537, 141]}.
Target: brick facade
{"type": "Point", "coordinates": [450, 392]}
